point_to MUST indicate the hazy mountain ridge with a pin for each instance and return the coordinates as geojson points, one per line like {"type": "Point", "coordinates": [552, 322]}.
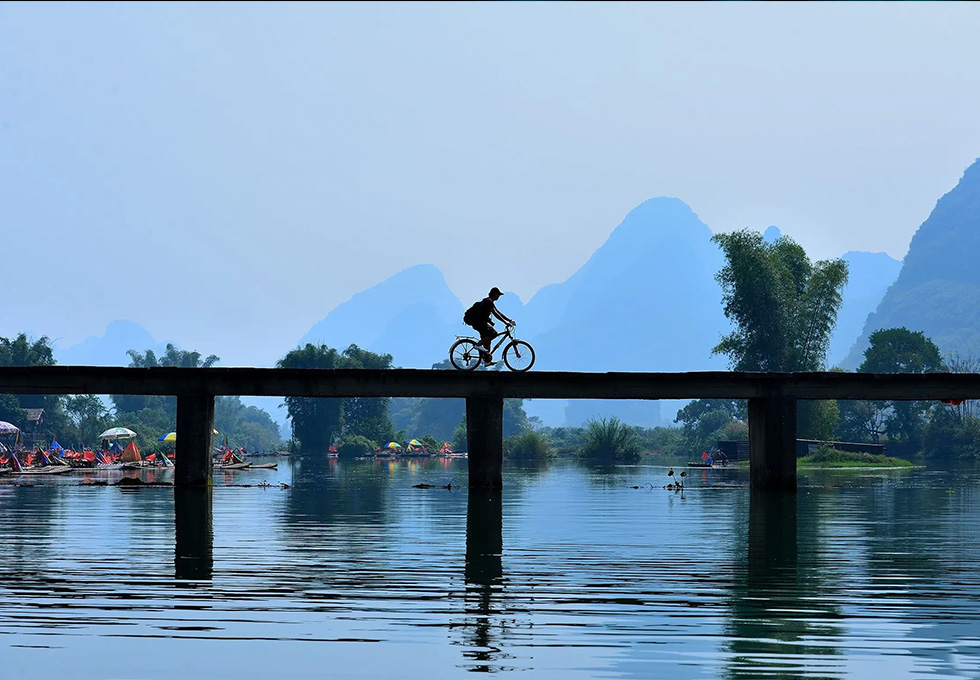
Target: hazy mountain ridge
{"type": "Point", "coordinates": [646, 300]}
{"type": "Point", "coordinates": [411, 315]}
{"type": "Point", "coordinates": [109, 349]}
{"type": "Point", "coordinates": [938, 288]}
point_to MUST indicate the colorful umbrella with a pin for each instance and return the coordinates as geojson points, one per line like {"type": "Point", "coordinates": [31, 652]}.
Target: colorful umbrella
{"type": "Point", "coordinates": [172, 436]}
{"type": "Point", "coordinates": [393, 445]}
{"type": "Point", "coordinates": [415, 442]}
{"type": "Point", "coordinates": [8, 428]}
{"type": "Point", "coordinates": [118, 433]}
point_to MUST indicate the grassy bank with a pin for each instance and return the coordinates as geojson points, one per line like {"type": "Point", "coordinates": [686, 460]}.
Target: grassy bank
{"type": "Point", "coordinates": [832, 458]}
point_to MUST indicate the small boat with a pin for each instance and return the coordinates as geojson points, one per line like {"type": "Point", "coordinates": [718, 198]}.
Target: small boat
{"type": "Point", "coordinates": [263, 466]}
{"type": "Point", "coordinates": [232, 466]}
{"type": "Point", "coordinates": [46, 470]}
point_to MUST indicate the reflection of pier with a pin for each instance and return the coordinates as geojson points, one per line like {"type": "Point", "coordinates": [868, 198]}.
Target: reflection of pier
{"type": "Point", "coordinates": [484, 571]}
{"type": "Point", "coordinates": [193, 534]}
{"type": "Point", "coordinates": [772, 400]}
{"type": "Point", "coordinates": [777, 614]}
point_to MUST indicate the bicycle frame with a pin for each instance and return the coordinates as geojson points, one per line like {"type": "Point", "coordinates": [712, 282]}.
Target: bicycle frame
{"type": "Point", "coordinates": [504, 335]}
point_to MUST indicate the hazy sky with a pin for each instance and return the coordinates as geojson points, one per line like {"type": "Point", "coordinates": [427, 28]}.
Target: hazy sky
{"type": "Point", "coordinates": [227, 174]}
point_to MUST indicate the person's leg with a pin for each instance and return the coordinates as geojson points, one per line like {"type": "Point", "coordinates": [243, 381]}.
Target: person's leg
{"type": "Point", "coordinates": [487, 334]}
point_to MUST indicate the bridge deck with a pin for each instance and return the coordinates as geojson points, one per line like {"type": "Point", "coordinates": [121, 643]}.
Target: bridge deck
{"type": "Point", "coordinates": [772, 399]}
{"type": "Point", "coordinates": [444, 383]}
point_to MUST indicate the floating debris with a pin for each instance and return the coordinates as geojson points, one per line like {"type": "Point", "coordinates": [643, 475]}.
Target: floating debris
{"type": "Point", "coordinates": [448, 486]}
{"type": "Point", "coordinates": [136, 481]}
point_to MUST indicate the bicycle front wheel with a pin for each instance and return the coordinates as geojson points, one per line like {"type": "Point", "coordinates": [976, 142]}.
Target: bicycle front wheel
{"type": "Point", "coordinates": [519, 356]}
{"type": "Point", "coordinates": [464, 355]}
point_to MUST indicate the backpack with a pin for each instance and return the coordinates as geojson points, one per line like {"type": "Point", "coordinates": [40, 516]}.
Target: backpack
{"type": "Point", "coordinates": [470, 314]}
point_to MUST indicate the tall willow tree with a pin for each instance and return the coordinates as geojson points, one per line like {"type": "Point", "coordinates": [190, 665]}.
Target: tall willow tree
{"type": "Point", "coordinates": [784, 309]}
{"type": "Point", "coordinates": [783, 306]}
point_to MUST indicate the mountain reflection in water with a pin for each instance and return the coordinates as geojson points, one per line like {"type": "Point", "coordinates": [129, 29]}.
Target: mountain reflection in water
{"type": "Point", "coordinates": [569, 572]}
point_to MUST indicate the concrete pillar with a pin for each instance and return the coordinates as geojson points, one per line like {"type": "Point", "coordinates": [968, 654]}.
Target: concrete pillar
{"type": "Point", "coordinates": [772, 443]}
{"type": "Point", "coordinates": [194, 534]}
{"type": "Point", "coordinates": [195, 427]}
{"type": "Point", "coordinates": [485, 441]}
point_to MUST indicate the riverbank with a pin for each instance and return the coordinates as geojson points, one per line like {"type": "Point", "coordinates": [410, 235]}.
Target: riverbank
{"type": "Point", "coordinates": [846, 459]}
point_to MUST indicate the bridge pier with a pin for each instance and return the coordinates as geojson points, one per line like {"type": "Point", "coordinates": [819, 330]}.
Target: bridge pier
{"type": "Point", "coordinates": [195, 428]}
{"type": "Point", "coordinates": [772, 442]}
{"type": "Point", "coordinates": [485, 441]}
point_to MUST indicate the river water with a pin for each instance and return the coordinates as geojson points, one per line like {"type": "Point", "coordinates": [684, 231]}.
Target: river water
{"type": "Point", "coordinates": [325, 569]}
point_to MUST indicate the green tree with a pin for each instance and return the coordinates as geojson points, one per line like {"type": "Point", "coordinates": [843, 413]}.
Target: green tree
{"type": "Point", "coordinates": [515, 418]}
{"type": "Point", "coordinates": [817, 419]}
{"type": "Point", "coordinates": [315, 420]}
{"type": "Point", "coordinates": [861, 421]}
{"type": "Point", "coordinates": [703, 420]}
{"type": "Point", "coordinates": [367, 416]}
{"type": "Point", "coordinates": [245, 426]}
{"type": "Point", "coordinates": [87, 417]}
{"type": "Point", "coordinates": [10, 410]}
{"type": "Point", "coordinates": [949, 437]}
{"type": "Point", "coordinates": [783, 306]}
{"type": "Point", "coordinates": [173, 357]}
{"type": "Point", "coordinates": [23, 351]}
{"type": "Point", "coordinates": [899, 350]}
{"type": "Point", "coordinates": [438, 417]}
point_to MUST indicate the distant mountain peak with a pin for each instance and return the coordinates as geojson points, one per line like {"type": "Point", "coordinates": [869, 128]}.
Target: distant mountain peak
{"type": "Point", "coordinates": [109, 349]}
{"type": "Point", "coordinates": [938, 287]}
{"type": "Point", "coordinates": [410, 315]}
{"type": "Point", "coordinates": [772, 234]}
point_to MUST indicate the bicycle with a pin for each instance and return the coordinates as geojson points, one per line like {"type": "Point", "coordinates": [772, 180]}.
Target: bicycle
{"type": "Point", "coordinates": [466, 353]}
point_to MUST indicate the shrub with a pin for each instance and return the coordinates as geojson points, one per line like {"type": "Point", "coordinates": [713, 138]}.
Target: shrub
{"type": "Point", "coordinates": [610, 442]}
{"type": "Point", "coordinates": [357, 445]}
{"type": "Point", "coordinates": [530, 446]}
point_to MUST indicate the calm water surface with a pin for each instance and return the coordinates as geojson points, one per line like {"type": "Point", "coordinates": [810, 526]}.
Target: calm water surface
{"type": "Point", "coordinates": [352, 572]}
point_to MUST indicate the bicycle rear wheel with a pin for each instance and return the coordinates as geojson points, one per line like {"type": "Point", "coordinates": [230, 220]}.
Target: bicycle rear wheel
{"type": "Point", "coordinates": [519, 356]}
{"type": "Point", "coordinates": [464, 354]}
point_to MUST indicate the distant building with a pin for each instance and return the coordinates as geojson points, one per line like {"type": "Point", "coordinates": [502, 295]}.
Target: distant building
{"type": "Point", "coordinates": [34, 418]}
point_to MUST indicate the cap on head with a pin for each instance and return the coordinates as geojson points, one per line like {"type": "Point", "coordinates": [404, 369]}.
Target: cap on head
{"type": "Point", "coordinates": [495, 293]}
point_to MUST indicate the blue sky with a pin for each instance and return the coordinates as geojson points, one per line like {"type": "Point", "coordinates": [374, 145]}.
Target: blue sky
{"type": "Point", "coordinates": [227, 174]}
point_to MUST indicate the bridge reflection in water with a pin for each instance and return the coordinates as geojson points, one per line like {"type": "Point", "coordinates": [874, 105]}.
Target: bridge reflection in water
{"type": "Point", "coordinates": [193, 534]}
{"type": "Point", "coordinates": [483, 573]}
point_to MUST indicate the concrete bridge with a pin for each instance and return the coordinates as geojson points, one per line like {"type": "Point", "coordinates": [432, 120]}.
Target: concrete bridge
{"type": "Point", "coordinates": [772, 400]}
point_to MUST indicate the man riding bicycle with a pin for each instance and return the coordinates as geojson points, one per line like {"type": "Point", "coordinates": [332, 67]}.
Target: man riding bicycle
{"type": "Point", "coordinates": [479, 317]}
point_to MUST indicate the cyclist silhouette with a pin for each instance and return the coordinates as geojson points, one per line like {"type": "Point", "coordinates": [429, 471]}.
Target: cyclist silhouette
{"type": "Point", "coordinates": [479, 316]}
